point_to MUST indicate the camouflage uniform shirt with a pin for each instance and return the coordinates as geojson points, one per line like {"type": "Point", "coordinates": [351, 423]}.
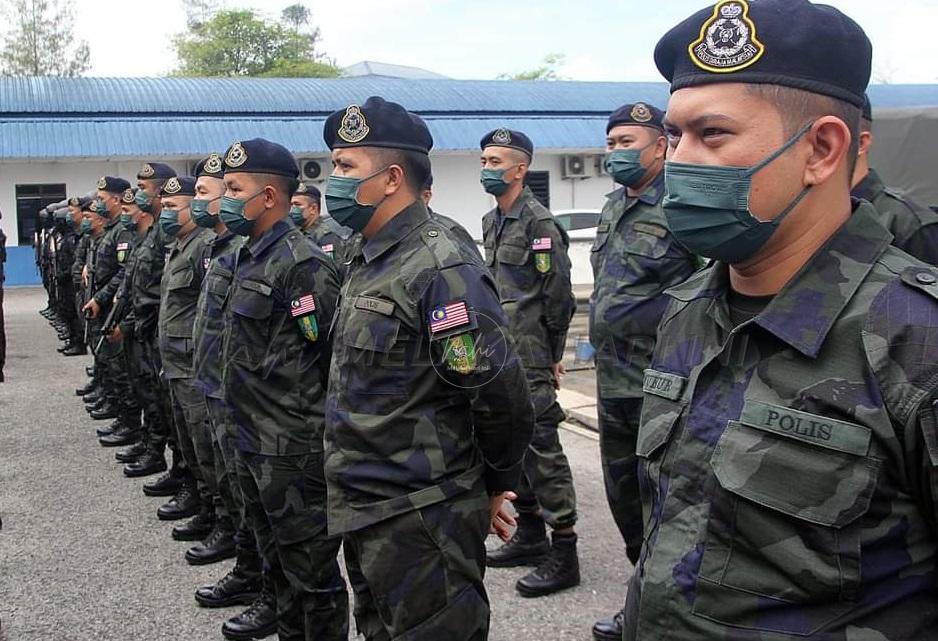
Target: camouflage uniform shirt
{"type": "Point", "coordinates": [109, 256]}
{"type": "Point", "coordinates": [789, 464]}
{"type": "Point", "coordinates": [526, 252]}
{"type": "Point", "coordinates": [147, 277]}
{"type": "Point", "coordinates": [914, 226]}
{"type": "Point", "coordinates": [275, 349]}
{"type": "Point", "coordinates": [426, 398]}
{"type": "Point", "coordinates": [635, 258]}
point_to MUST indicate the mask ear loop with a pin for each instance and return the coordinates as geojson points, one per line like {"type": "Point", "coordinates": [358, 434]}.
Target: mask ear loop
{"type": "Point", "coordinates": [749, 173]}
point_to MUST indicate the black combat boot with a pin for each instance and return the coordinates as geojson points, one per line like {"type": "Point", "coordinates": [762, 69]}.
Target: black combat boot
{"type": "Point", "coordinates": [257, 622]}
{"type": "Point", "coordinates": [198, 527]}
{"type": "Point", "coordinates": [87, 389]}
{"type": "Point", "coordinates": [148, 463]}
{"type": "Point", "coordinates": [166, 485]}
{"type": "Point", "coordinates": [217, 546]}
{"type": "Point", "coordinates": [527, 546]}
{"type": "Point", "coordinates": [75, 349]}
{"type": "Point", "coordinates": [241, 586]}
{"type": "Point", "coordinates": [125, 435]}
{"type": "Point", "coordinates": [130, 454]}
{"type": "Point", "coordinates": [559, 570]}
{"type": "Point", "coordinates": [610, 629]}
{"type": "Point", "coordinates": [106, 411]}
{"type": "Point", "coordinates": [182, 506]}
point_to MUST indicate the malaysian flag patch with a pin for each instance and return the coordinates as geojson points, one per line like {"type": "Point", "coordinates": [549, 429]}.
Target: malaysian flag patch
{"type": "Point", "coordinates": [541, 244]}
{"type": "Point", "coordinates": [328, 249]}
{"type": "Point", "coordinates": [449, 316]}
{"type": "Point", "coordinates": [303, 305]}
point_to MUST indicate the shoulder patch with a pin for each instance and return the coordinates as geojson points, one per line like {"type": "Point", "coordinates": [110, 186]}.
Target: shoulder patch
{"type": "Point", "coordinates": [541, 244]}
{"type": "Point", "coordinates": [448, 317]}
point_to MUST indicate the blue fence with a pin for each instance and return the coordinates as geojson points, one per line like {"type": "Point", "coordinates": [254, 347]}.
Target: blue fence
{"type": "Point", "coordinates": [20, 268]}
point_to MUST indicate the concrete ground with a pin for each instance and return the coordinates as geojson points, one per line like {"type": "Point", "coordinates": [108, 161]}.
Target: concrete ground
{"type": "Point", "coordinates": [83, 557]}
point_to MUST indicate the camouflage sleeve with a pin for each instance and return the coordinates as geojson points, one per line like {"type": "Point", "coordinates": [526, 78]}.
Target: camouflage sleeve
{"type": "Point", "coordinates": [559, 302]}
{"type": "Point", "coordinates": [106, 292]}
{"type": "Point", "coordinates": [471, 351]}
{"type": "Point", "coordinates": [923, 244]}
{"type": "Point", "coordinates": [311, 292]}
{"type": "Point", "coordinates": [923, 444]}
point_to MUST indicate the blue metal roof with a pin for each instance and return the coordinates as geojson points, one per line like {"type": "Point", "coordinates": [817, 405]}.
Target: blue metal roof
{"type": "Point", "coordinates": [57, 118]}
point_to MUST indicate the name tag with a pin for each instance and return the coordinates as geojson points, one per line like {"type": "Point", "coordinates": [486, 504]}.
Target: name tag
{"type": "Point", "coordinates": [377, 305]}
{"type": "Point", "coordinates": [669, 386]}
{"type": "Point", "coordinates": [809, 428]}
{"type": "Point", "coordinates": [603, 228]}
{"type": "Point", "coordinates": [649, 228]}
{"type": "Point", "coordinates": [255, 286]}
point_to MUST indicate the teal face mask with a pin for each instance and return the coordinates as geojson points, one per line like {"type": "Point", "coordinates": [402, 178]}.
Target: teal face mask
{"type": "Point", "coordinates": [342, 201]}
{"type": "Point", "coordinates": [169, 221]}
{"type": "Point", "coordinates": [101, 209]}
{"type": "Point", "coordinates": [296, 215]}
{"type": "Point", "coordinates": [707, 207]}
{"type": "Point", "coordinates": [231, 213]}
{"type": "Point", "coordinates": [127, 220]}
{"type": "Point", "coordinates": [85, 226]}
{"type": "Point", "coordinates": [144, 202]}
{"type": "Point", "coordinates": [493, 181]}
{"type": "Point", "coordinates": [200, 213]}
{"type": "Point", "coordinates": [625, 165]}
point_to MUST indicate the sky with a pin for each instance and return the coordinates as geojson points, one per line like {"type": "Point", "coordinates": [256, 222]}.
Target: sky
{"type": "Point", "coordinates": [601, 39]}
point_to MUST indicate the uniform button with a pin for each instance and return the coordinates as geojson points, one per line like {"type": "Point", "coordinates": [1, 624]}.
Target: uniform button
{"type": "Point", "coordinates": [926, 278]}
{"type": "Point", "coordinates": [433, 233]}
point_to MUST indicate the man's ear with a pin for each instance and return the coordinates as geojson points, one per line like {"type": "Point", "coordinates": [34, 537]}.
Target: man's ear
{"type": "Point", "coordinates": [396, 179]}
{"type": "Point", "coordinates": [829, 138]}
{"type": "Point", "coordinates": [661, 147]}
{"type": "Point", "coordinates": [270, 196]}
{"type": "Point", "coordinates": [866, 141]}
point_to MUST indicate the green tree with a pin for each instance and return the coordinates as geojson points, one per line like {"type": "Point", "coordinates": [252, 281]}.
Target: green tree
{"type": "Point", "coordinates": [41, 41]}
{"type": "Point", "coordinates": [547, 71]}
{"type": "Point", "coordinates": [242, 43]}
{"type": "Point", "coordinates": [198, 12]}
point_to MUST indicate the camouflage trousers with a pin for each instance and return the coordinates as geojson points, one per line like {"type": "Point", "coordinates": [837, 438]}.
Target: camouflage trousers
{"type": "Point", "coordinates": [284, 503]}
{"type": "Point", "coordinates": [618, 433]}
{"type": "Point", "coordinates": [78, 302]}
{"type": "Point", "coordinates": [152, 393]}
{"type": "Point", "coordinates": [112, 358]}
{"type": "Point", "coordinates": [229, 489]}
{"type": "Point", "coordinates": [547, 482]}
{"type": "Point", "coordinates": [194, 436]}
{"type": "Point", "coordinates": [418, 575]}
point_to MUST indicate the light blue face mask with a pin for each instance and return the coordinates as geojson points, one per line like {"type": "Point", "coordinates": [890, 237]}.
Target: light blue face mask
{"type": "Point", "coordinates": [231, 213]}
{"type": "Point", "coordinates": [707, 207]}
{"type": "Point", "coordinates": [85, 226]}
{"type": "Point", "coordinates": [342, 201]}
{"type": "Point", "coordinates": [169, 221]}
{"type": "Point", "coordinates": [625, 165]}
{"type": "Point", "coordinates": [144, 202]}
{"type": "Point", "coordinates": [296, 215]}
{"type": "Point", "coordinates": [127, 220]}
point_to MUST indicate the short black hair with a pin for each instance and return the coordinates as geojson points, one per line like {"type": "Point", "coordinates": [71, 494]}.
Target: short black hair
{"type": "Point", "coordinates": [283, 184]}
{"type": "Point", "coordinates": [416, 165]}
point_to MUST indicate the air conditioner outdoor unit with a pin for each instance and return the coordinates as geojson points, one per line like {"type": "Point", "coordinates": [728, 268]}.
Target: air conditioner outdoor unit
{"type": "Point", "coordinates": [575, 167]}
{"type": "Point", "coordinates": [312, 170]}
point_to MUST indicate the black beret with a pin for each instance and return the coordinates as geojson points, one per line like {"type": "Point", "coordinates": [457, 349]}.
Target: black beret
{"type": "Point", "coordinates": [304, 189]}
{"type": "Point", "coordinates": [74, 201]}
{"type": "Point", "coordinates": [211, 166]}
{"type": "Point", "coordinates": [377, 123]}
{"type": "Point", "coordinates": [155, 171]}
{"type": "Point", "coordinates": [112, 185]}
{"type": "Point", "coordinates": [259, 156]}
{"type": "Point", "coordinates": [867, 113]}
{"type": "Point", "coordinates": [508, 138]}
{"type": "Point", "coordinates": [793, 43]}
{"type": "Point", "coordinates": [640, 113]}
{"type": "Point", "coordinates": [128, 196]}
{"type": "Point", "coordinates": [179, 186]}
{"type": "Point", "coordinates": [89, 206]}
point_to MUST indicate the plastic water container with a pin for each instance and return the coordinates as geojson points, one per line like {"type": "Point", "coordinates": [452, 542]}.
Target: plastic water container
{"type": "Point", "coordinates": [585, 352]}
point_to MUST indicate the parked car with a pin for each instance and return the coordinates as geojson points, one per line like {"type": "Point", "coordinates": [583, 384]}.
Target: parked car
{"type": "Point", "coordinates": [580, 224]}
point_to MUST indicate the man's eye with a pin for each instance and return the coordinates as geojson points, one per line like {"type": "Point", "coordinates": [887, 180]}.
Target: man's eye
{"type": "Point", "coordinates": [710, 132]}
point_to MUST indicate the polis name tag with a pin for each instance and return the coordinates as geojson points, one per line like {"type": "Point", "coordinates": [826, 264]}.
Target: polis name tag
{"type": "Point", "coordinates": [665, 385]}
{"type": "Point", "coordinates": [377, 305]}
{"type": "Point", "coordinates": [809, 428]}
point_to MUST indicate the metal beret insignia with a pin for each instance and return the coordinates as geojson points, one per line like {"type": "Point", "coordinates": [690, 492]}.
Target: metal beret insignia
{"type": "Point", "coordinates": [102, 183]}
{"type": "Point", "coordinates": [172, 186]}
{"type": "Point", "coordinates": [213, 164]}
{"type": "Point", "coordinates": [727, 41]}
{"type": "Point", "coordinates": [302, 189]}
{"type": "Point", "coordinates": [641, 113]}
{"type": "Point", "coordinates": [147, 171]}
{"type": "Point", "coordinates": [237, 156]}
{"type": "Point", "coordinates": [73, 201]}
{"type": "Point", "coordinates": [353, 127]}
{"type": "Point", "coordinates": [128, 197]}
{"type": "Point", "coordinates": [501, 137]}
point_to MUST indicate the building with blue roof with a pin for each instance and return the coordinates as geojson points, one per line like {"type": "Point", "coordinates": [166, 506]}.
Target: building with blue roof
{"type": "Point", "coordinates": [58, 135]}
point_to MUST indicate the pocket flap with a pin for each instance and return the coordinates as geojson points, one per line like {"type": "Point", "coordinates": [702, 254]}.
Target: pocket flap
{"type": "Point", "coordinates": [512, 255]}
{"type": "Point", "coordinates": [180, 279]}
{"type": "Point", "coordinates": [371, 331]}
{"type": "Point", "coordinates": [659, 417]}
{"type": "Point", "coordinates": [251, 303]}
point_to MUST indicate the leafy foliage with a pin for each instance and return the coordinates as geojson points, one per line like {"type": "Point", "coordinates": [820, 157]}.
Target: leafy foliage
{"type": "Point", "coordinates": [41, 41]}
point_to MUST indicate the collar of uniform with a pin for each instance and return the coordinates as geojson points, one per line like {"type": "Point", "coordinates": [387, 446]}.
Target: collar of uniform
{"type": "Point", "coordinates": [803, 313]}
{"type": "Point", "coordinates": [223, 238]}
{"type": "Point", "coordinates": [518, 205]}
{"type": "Point", "coordinates": [395, 230]}
{"type": "Point", "coordinates": [616, 194]}
{"type": "Point", "coordinates": [870, 187]}
{"type": "Point", "coordinates": [654, 192]}
{"type": "Point", "coordinates": [272, 235]}
{"type": "Point", "coordinates": [195, 233]}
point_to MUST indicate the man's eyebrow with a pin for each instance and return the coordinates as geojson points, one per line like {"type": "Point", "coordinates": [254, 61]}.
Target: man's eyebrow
{"type": "Point", "coordinates": [701, 121]}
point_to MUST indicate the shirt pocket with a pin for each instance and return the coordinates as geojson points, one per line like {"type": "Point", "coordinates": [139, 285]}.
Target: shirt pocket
{"type": "Point", "coordinates": [180, 279]}
{"type": "Point", "coordinates": [783, 526]}
{"type": "Point", "coordinates": [253, 307]}
{"type": "Point", "coordinates": [514, 275]}
{"type": "Point", "coordinates": [659, 418]}
{"type": "Point", "coordinates": [376, 366]}
{"type": "Point", "coordinates": [646, 239]}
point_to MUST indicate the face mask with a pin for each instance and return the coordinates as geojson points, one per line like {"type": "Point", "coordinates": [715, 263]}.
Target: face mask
{"type": "Point", "coordinates": [101, 209]}
{"type": "Point", "coordinates": [342, 201]}
{"type": "Point", "coordinates": [296, 215]}
{"type": "Point", "coordinates": [199, 210]}
{"type": "Point", "coordinates": [493, 181]}
{"type": "Point", "coordinates": [85, 225]}
{"type": "Point", "coordinates": [707, 207]}
{"type": "Point", "coordinates": [231, 213]}
{"type": "Point", "coordinates": [625, 165]}
{"type": "Point", "coordinates": [169, 221]}
{"type": "Point", "coordinates": [127, 220]}
{"type": "Point", "coordinates": [144, 202]}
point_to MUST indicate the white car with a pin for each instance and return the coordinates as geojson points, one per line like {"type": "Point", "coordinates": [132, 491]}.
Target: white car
{"type": "Point", "coordinates": [580, 224]}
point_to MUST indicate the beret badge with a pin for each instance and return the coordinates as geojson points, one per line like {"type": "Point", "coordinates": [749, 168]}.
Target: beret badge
{"type": "Point", "coordinates": [353, 127]}
{"type": "Point", "coordinates": [172, 186]}
{"type": "Point", "coordinates": [727, 41]}
{"type": "Point", "coordinates": [641, 113]}
{"type": "Point", "coordinates": [147, 171]}
{"type": "Point", "coordinates": [102, 183]}
{"type": "Point", "coordinates": [213, 165]}
{"type": "Point", "coordinates": [128, 197]}
{"type": "Point", "coordinates": [501, 137]}
{"type": "Point", "coordinates": [237, 156]}
{"type": "Point", "coordinates": [302, 189]}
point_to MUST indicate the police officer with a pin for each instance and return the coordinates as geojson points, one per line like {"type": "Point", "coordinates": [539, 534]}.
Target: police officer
{"type": "Point", "coordinates": [277, 318]}
{"type": "Point", "coordinates": [787, 442]}
{"type": "Point", "coordinates": [635, 259]}
{"type": "Point", "coordinates": [428, 414]}
{"type": "Point", "coordinates": [526, 251]}
{"type": "Point", "coordinates": [306, 213]}
{"type": "Point", "coordinates": [65, 259]}
{"type": "Point", "coordinates": [83, 242]}
{"type": "Point", "coordinates": [914, 225]}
